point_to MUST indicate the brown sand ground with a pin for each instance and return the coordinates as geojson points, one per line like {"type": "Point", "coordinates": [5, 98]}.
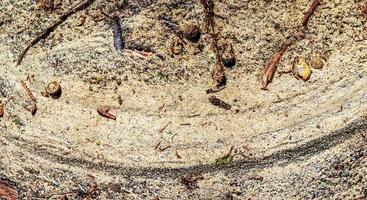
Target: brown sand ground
{"type": "Point", "coordinates": [304, 139]}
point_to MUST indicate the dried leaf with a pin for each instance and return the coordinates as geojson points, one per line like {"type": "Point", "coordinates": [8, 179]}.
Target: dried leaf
{"type": "Point", "coordinates": [224, 160]}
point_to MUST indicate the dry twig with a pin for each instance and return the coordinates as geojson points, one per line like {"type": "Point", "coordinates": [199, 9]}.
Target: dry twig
{"type": "Point", "coordinates": [218, 75]}
{"type": "Point", "coordinates": [177, 155]}
{"type": "Point", "coordinates": [272, 65]}
{"type": "Point", "coordinates": [30, 94]}
{"type": "Point", "coordinates": [309, 13]}
{"type": "Point", "coordinates": [164, 127]}
{"type": "Point", "coordinates": [45, 33]}
{"type": "Point", "coordinates": [157, 145]}
{"type": "Point", "coordinates": [165, 148]}
{"type": "Point", "coordinates": [214, 90]}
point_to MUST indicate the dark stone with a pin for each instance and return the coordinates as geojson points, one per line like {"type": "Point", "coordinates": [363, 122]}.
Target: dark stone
{"type": "Point", "coordinates": [192, 33]}
{"type": "Point", "coordinates": [229, 62]}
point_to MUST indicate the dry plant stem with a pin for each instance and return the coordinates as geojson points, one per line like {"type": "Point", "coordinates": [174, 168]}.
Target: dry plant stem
{"type": "Point", "coordinates": [28, 91]}
{"type": "Point", "coordinates": [177, 155]}
{"type": "Point", "coordinates": [209, 16]}
{"type": "Point", "coordinates": [271, 67]}
{"type": "Point", "coordinates": [45, 33]}
{"type": "Point", "coordinates": [218, 74]}
{"type": "Point", "coordinates": [309, 13]}
{"type": "Point", "coordinates": [162, 129]}
{"type": "Point", "coordinates": [157, 145]}
{"type": "Point", "coordinates": [165, 148]}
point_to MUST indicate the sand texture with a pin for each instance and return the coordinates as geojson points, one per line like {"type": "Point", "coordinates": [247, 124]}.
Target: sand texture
{"type": "Point", "coordinates": [296, 140]}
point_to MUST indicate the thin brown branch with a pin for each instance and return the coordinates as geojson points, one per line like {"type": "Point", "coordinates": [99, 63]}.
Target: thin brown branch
{"type": "Point", "coordinates": [164, 127]}
{"type": "Point", "coordinates": [157, 145]}
{"type": "Point", "coordinates": [272, 66]}
{"type": "Point", "coordinates": [29, 92]}
{"type": "Point", "coordinates": [165, 148]}
{"type": "Point", "coordinates": [45, 33]}
{"type": "Point", "coordinates": [218, 74]}
{"type": "Point", "coordinates": [309, 13]}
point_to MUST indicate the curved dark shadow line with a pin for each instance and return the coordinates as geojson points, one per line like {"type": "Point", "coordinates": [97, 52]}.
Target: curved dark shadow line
{"type": "Point", "coordinates": [282, 157]}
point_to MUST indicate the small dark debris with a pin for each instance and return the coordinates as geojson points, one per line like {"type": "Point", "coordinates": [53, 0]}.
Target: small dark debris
{"type": "Point", "coordinates": [90, 192]}
{"type": "Point", "coordinates": [177, 155]}
{"type": "Point", "coordinates": [1, 109]}
{"type": "Point", "coordinates": [229, 62]}
{"type": "Point", "coordinates": [140, 46]}
{"type": "Point", "coordinates": [228, 58]}
{"type": "Point", "coordinates": [115, 187]}
{"type": "Point", "coordinates": [192, 33]}
{"type": "Point", "coordinates": [120, 100]}
{"type": "Point", "coordinates": [256, 177]}
{"type": "Point", "coordinates": [191, 181]}
{"type": "Point", "coordinates": [214, 90]}
{"type": "Point", "coordinates": [30, 106]}
{"type": "Point", "coordinates": [219, 77]}
{"type": "Point", "coordinates": [217, 102]}
{"type": "Point", "coordinates": [228, 196]}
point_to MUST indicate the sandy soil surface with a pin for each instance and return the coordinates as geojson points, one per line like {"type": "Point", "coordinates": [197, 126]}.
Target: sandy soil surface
{"type": "Point", "coordinates": [297, 140]}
